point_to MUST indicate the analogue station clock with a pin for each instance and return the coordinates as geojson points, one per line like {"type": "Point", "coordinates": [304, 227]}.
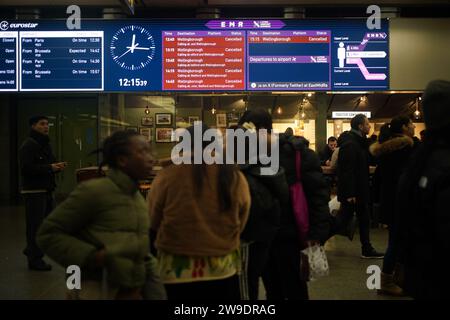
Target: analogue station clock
{"type": "Point", "coordinates": [132, 47]}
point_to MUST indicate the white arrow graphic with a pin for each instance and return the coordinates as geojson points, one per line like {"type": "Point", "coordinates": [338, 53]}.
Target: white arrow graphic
{"type": "Point", "coordinates": [366, 54]}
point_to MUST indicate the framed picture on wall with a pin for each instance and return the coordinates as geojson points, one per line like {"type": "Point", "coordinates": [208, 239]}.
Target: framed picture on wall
{"type": "Point", "coordinates": [147, 133]}
{"type": "Point", "coordinates": [192, 119]}
{"type": "Point", "coordinates": [132, 128]}
{"type": "Point", "coordinates": [147, 121]}
{"type": "Point", "coordinates": [221, 120]}
{"type": "Point", "coordinates": [164, 134]}
{"type": "Point", "coordinates": [163, 119]}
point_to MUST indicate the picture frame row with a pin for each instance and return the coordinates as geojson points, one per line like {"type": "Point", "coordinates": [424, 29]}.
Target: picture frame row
{"type": "Point", "coordinates": [165, 119]}
{"type": "Point", "coordinates": [162, 135]}
{"type": "Point", "coordinates": [162, 119]}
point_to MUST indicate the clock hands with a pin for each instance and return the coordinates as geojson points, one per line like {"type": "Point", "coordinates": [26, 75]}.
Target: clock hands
{"type": "Point", "coordinates": [140, 48]}
{"type": "Point", "coordinates": [132, 44]}
{"type": "Point", "coordinates": [132, 48]}
{"type": "Point", "coordinates": [124, 53]}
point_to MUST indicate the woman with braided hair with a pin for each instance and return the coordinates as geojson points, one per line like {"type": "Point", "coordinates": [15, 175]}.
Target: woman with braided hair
{"type": "Point", "coordinates": [103, 225]}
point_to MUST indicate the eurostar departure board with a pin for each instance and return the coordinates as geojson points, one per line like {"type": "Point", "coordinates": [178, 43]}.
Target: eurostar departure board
{"type": "Point", "coordinates": [194, 55]}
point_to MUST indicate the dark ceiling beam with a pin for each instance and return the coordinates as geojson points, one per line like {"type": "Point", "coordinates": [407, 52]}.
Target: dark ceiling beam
{"type": "Point", "coordinates": [406, 110]}
{"type": "Point", "coordinates": [358, 102]}
{"type": "Point", "coordinates": [330, 103]}
{"type": "Point", "coordinates": [378, 112]}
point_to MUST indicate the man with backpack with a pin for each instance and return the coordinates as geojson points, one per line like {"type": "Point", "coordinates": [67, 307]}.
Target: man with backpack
{"type": "Point", "coordinates": [269, 193]}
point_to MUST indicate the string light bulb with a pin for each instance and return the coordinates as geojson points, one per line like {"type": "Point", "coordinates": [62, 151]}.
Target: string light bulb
{"type": "Point", "coordinates": [309, 95]}
{"type": "Point", "coordinates": [213, 110]}
{"type": "Point", "coordinates": [147, 110]}
{"type": "Point", "coordinates": [279, 110]}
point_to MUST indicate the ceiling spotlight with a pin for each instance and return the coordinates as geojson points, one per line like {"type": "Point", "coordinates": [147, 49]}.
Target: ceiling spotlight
{"type": "Point", "coordinates": [310, 95]}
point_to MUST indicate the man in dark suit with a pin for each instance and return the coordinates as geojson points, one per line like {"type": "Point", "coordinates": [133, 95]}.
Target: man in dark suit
{"type": "Point", "coordinates": [38, 167]}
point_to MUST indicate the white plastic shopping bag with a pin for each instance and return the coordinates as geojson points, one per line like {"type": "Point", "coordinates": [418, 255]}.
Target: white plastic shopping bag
{"type": "Point", "coordinates": [317, 262]}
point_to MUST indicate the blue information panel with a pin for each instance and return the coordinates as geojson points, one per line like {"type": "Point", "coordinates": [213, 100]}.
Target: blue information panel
{"type": "Point", "coordinates": [61, 60]}
{"type": "Point", "coordinates": [194, 55]}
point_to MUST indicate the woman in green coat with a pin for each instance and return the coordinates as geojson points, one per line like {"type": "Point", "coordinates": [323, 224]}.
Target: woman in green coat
{"type": "Point", "coordinates": [103, 225]}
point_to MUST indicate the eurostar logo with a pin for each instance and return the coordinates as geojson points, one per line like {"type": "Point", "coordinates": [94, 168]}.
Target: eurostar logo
{"type": "Point", "coordinates": [4, 25]}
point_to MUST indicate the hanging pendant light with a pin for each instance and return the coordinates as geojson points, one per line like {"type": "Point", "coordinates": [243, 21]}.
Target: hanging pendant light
{"type": "Point", "coordinates": [279, 110]}
{"type": "Point", "coordinates": [147, 110]}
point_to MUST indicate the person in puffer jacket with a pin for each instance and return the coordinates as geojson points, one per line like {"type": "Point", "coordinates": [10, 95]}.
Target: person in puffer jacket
{"type": "Point", "coordinates": [103, 225]}
{"type": "Point", "coordinates": [393, 151]}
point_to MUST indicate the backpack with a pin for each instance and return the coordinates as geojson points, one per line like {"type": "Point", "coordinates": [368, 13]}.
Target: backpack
{"type": "Point", "coordinates": [264, 218]}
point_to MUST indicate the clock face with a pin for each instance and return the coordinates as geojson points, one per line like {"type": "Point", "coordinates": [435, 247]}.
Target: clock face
{"type": "Point", "coordinates": [132, 47]}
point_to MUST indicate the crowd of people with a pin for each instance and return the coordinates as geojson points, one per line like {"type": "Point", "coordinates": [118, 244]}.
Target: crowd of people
{"type": "Point", "coordinates": [212, 231]}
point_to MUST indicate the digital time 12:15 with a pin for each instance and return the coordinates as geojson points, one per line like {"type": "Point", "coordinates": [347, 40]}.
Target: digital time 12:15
{"type": "Point", "coordinates": [134, 82]}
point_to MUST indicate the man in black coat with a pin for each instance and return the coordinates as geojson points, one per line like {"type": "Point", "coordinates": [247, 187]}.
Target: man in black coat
{"type": "Point", "coordinates": [38, 167]}
{"type": "Point", "coordinates": [353, 180]}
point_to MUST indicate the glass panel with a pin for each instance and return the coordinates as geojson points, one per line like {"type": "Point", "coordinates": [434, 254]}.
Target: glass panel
{"type": "Point", "coordinates": [73, 132]}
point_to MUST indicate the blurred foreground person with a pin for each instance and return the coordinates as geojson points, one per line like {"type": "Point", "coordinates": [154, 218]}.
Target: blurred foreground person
{"type": "Point", "coordinates": [424, 191]}
{"type": "Point", "coordinates": [269, 193]}
{"type": "Point", "coordinates": [198, 212]}
{"type": "Point", "coordinates": [103, 226]}
{"type": "Point", "coordinates": [38, 167]}
{"type": "Point", "coordinates": [393, 151]}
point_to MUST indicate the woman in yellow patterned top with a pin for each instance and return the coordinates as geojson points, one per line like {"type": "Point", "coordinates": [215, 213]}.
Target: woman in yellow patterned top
{"type": "Point", "coordinates": [198, 212]}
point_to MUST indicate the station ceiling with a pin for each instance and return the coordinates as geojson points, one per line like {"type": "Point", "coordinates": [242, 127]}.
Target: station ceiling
{"type": "Point", "coordinates": [220, 3]}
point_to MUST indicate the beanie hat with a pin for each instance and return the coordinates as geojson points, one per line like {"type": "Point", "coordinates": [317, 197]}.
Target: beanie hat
{"type": "Point", "coordinates": [436, 104]}
{"type": "Point", "coordinates": [35, 119]}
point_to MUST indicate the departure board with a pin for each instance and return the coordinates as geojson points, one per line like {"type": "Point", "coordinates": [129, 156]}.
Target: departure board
{"type": "Point", "coordinates": [289, 60]}
{"type": "Point", "coordinates": [194, 55]}
{"type": "Point", "coordinates": [203, 60]}
{"type": "Point", "coordinates": [9, 53]}
{"type": "Point", "coordinates": [61, 61]}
